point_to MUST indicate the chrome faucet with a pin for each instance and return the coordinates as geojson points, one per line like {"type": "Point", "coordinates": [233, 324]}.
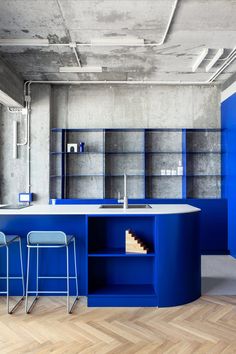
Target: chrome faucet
{"type": "Point", "coordinates": [125, 198]}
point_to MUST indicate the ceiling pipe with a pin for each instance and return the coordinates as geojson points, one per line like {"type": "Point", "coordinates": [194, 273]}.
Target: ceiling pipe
{"type": "Point", "coordinates": [156, 44]}
{"type": "Point", "coordinates": [73, 46]}
{"type": "Point", "coordinates": [231, 57]}
{"type": "Point", "coordinates": [44, 42]}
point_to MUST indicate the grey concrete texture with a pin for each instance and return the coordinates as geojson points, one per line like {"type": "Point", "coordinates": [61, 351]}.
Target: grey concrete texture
{"type": "Point", "coordinates": [13, 173]}
{"type": "Point", "coordinates": [130, 141]}
{"type": "Point", "coordinates": [204, 164]}
{"type": "Point", "coordinates": [93, 107]}
{"type": "Point", "coordinates": [157, 162]}
{"type": "Point", "coordinates": [164, 187]}
{"type": "Point", "coordinates": [131, 164]}
{"type": "Point", "coordinates": [209, 141]}
{"type": "Point", "coordinates": [114, 187]}
{"type": "Point", "coordinates": [84, 187]}
{"type": "Point", "coordinates": [103, 106]}
{"type": "Point", "coordinates": [40, 142]}
{"type": "Point", "coordinates": [196, 25]}
{"type": "Point", "coordinates": [84, 164]}
{"type": "Point", "coordinates": [11, 83]}
{"type": "Point", "coordinates": [163, 141]}
{"type": "Point", "coordinates": [204, 187]}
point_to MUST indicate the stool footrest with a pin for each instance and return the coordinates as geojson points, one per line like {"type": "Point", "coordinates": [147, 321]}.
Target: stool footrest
{"type": "Point", "coordinates": [56, 277]}
{"type": "Point", "coordinates": [1, 278]}
{"type": "Point", "coordinates": [46, 292]}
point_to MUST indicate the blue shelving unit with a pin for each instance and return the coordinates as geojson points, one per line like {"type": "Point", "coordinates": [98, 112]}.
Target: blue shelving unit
{"type": "Point", "coordinates": [145, 153]}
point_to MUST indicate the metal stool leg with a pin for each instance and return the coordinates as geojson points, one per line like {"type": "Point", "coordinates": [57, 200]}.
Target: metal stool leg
{"type": "Point", "coordinates": [70, 308]}
{"type": "Point", "coordinates": [8, 278]}
{"type": "Point", "coordinates": [76, 274]}
{"type": "Point", "coordinates": [7, 260]}
{"type": "Point", "coordinates": [28, 310]}
{"type": "Point", "coordinates": [22, 270]}
{"type": "Point", "coordinates": [67, 279]}
{"type": "Point", "coordinates": [37, 272]}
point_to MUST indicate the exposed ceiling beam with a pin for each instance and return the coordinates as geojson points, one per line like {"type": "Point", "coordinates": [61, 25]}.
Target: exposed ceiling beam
{"type": "Point", "coordinates": [7, 101]}
{"type": "Point", "coordinates": [200, 59]}
{"type": "Point", "coordinates": [214, 59]}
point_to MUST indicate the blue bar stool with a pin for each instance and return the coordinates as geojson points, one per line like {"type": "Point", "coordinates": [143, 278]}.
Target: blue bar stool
{"type": "Point", "coordinates": [50, 239]}
{"type": "Point", "coordinates": [6, 241]}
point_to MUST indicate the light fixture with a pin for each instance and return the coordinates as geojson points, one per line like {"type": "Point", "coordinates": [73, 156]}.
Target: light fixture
{"type": "Point", "coordinates": [80, 69]}
{"type": "Point", "coordinates": [6, 100]}
{"type": "Point", "coordinates": [120, 41]}
{"type": "Point", "coordinates": [199, 60]}
{"type": "Point", "coordinates": [27, 42]}
{"type": "Point", "coordinates": [214, 59]}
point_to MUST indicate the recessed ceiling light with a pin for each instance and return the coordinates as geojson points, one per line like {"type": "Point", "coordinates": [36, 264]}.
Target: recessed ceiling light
{"type": "Point", "coordinates": [33, 42]}
{"type": "Point", "coordinates": [80, 69]}
{"type": "Point", "coordinates": [106, 41]}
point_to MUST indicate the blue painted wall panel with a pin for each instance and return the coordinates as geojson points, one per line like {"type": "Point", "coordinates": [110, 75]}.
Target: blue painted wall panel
{"type": "Point", "coordinates": [228, 117]}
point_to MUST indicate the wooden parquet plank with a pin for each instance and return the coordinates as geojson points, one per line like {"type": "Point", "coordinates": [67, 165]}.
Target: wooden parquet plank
{"type": "Point", "coordinates": [205, 326]}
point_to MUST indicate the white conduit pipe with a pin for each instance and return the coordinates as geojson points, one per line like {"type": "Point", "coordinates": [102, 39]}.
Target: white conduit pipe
{"type": "Point", "coordinates": [14, 152]}
{"type": "Point", "coordinates": [231, 57]}
{"type": "Point", "coordinates": [25, 142]}
{"type": "Point", "coordinates": [128, 44]}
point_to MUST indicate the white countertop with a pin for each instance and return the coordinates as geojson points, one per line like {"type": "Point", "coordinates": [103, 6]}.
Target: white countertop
{"type": "Point", "coordinates": [93, 209]}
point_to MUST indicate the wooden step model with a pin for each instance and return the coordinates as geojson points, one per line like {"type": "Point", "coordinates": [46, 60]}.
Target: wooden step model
{"type": "Point", "coordinates": [133, 244]}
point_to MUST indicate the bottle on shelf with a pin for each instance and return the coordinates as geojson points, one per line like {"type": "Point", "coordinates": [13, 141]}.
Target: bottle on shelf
{"type": "Point", "coordinates": [180, 169]}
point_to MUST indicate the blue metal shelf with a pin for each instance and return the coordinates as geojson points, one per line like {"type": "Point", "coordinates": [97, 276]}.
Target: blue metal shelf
{"type": "Point", "coordinates": [119, 253]}
{"type": "Point", "coordinates": [147, 156]}
{"type": "Point", "coordinates": [123, 289]}
{"type": "Point", "coordinates": [75, 153]}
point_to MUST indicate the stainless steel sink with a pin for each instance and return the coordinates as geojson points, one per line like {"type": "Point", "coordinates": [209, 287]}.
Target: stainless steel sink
{"type": "Point", "coordinates": [120, 206]}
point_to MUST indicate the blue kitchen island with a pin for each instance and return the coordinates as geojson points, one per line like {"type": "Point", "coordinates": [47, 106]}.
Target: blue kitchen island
{"type": "Point", "coordinates": [168, 275]}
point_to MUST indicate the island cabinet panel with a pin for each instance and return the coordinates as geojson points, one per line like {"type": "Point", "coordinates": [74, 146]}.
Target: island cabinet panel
{"type": "Point", "coordinates": [178, 259]}
{"type": "Point", "coordinates": [117, 278]}
{"type": "Point", "coordinates": [51, 261]}
{"type": "Point", "coordinates": [169, 274]}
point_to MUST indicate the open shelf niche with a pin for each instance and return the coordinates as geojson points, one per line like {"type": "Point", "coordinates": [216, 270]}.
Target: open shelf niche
{"type": "Point", "coordinates": [120, 272]}
{"type": "Point", "coordinates": [203, 164]}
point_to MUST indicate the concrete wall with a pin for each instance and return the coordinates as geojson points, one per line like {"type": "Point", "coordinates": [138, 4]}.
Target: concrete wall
{"type": "Point", "coordinates": [13, 172]}
{"type": "Point", "coordinates": [92, 107]}
{"type": "Point", "coordinates": [11, 83]}
{"type": "Point", "coordinates": [13, 175]}
{"type": "Point", "coordinates": [99, 106]}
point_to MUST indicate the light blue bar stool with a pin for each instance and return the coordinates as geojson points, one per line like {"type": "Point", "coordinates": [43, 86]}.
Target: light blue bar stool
{"type": "Point", "coordinates": [6, 241]}
{"type": "Point", "coordinates": [50, 239]}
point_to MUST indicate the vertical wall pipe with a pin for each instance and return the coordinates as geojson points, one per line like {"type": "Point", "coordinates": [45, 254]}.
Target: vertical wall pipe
{"type": "Point", "coordinates": [14, 155]}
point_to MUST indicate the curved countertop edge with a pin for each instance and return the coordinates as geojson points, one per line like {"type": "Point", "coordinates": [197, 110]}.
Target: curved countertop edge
{"type": "Point", "coordinates": [93, 209]}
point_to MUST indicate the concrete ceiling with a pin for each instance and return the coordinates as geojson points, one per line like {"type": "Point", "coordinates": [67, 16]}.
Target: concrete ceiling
{"type": "Point", "coordinates": [196, 24]}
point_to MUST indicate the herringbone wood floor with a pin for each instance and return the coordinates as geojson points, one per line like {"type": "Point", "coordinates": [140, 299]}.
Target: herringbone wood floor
{"type": "Point", "coordinates": [205, 326]}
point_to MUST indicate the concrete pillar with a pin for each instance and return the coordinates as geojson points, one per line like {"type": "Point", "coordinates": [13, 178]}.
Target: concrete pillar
{"type": "Point", "coordinates": [40, 142]}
